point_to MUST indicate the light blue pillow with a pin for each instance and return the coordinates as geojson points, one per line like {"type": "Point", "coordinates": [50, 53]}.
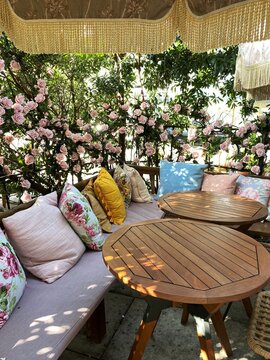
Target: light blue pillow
{"type": "Point", "coordinates": [178, 176]}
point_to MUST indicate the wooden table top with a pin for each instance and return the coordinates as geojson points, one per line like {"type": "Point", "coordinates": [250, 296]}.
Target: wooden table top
{"type": "Point", "coordinates": [187, 261]}
{"type": "Point", "coordinates": [213, 207]}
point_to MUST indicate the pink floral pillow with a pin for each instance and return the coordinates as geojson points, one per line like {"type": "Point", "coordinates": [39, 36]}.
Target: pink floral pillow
{"type": "Point", "coordinates": [76, 209]}
{"type": "Point", "coordinates": [223, 184]}
{"type": "Point", "coordinates": [254, 188]}
{"type": "Point", "coordinates": [12, 279]}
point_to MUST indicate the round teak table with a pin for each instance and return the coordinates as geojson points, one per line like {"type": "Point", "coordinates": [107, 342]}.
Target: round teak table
{"type": "Point", "coordinates": [200, 264]}
{"type": "Point", "coordinates": [213, 207]}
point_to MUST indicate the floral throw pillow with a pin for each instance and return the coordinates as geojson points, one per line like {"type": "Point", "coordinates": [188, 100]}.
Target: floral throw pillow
{"type": "Point", "coordinates": [253, 188]}
{"type": "Point", "coordinates": [12, 279]}
{"type": "Point", "coordinates": [76, 209]}
{"type": "Point", "coordinates": [124, 184]}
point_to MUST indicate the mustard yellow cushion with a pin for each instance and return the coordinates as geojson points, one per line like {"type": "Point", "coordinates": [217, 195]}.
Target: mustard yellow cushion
{"type": "Point", "coordinates": [110, 197]}
{"type": "Point", "coordinates": [89, 193]}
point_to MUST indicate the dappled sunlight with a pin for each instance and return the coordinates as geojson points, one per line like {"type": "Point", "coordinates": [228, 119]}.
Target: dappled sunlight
{"type": "Point", "coordinates": [44, 350]}
{"type": "Point", "coordinates": [29, 339]}
{"type": "Point", "coordinates": [53, 330]}
{"type": "Point", "coordinates": [48, 319]}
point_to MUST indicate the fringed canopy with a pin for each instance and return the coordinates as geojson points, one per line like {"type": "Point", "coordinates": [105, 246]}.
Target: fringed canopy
{"type": "Point", "coordinates": [252, 73]}
{"type": "Point", "coordinates": [141, 26]}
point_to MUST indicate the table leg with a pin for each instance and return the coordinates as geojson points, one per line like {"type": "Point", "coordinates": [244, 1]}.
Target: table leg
{"type": "Point", "coordinates": [147, 326]}
{"type": "Point", "coordinates": [248, 306]}
{"type": "Point", "coordinates": [221, 332]}
{"type": "Point", "coordinates": [201, 317]}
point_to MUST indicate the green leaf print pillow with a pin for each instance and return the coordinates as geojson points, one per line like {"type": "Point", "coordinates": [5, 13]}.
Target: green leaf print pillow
{"type": "Point", "coordinates": [12, 279]}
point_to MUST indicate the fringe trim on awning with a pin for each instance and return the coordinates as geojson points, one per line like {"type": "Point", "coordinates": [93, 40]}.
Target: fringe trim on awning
{"type": "Point", "coordinates": [241, 22]}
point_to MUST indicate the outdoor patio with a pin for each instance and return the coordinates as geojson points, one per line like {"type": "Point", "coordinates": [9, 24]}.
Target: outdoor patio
{"type": "Point", "coordinates": [171, 341]}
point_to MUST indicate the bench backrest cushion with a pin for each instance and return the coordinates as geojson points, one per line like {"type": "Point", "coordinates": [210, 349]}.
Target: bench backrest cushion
{"type": "Point", "coordinates": [89, 193]}
{"type": "Point", "coordinates": [124, 184]}
{"type": "Point", "coordinates": [43, 240]}
{"type": "Point", "coordinates": [76, 209]}
{"type": "Point", "coordinates": [139, 191]}
{"type": "Point", "coordinates": [12, 279]}
{"type": "Point", "coordinates": [110, 198]}
{"type": "Point", "coordinates": [223, 184]}
{"type": "Point", "coordinates": [254, 188]}
{"type": "Point", "coordinates": [177, 176]}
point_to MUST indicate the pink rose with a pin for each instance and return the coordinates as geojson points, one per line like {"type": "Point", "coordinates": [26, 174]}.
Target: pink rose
{"type": "Point", "coordinates": [60, 157]}
{"type": "Point", "coordinates": [108, 146]}
{"type": "Point", "coordinates": [104, 127]}
{"type": "Point", "coordinates": [2, 111]}
{"type": "Point", "coordinates": [208, 130]}
{"type": "Point", "coordinates": [144, 105]}
{"type": "Point", "coordinates": [29, 159]}
{"type": "Point", "coordinates": [106, 106]}
{"type": "Point", "coordinates": [8, 138]}
{"type": "Point", "coordinates": [6, 102]}
{"type": "Point", "coordinates": [3, 318]}
{"type": "Point", "coordinates": [2, 121]}
{"type": "Point", "coordinates": [122, 130]}
{"type": "Point", "coordinates": [137, 112]}
{"type": "Point", "coordinates": [80, 149]}
{"type": "Point", "coordinates": [217, 123]}
{"type": "Point", "coordinates": [2, 68]}
{"type": "Point", "coordinates": [113, 115]}
{"type": "Point", "coordinates": [43, 122]}
{"type": "Point", "coordinates": [74, 156]}
{"type": "Point", "coordinates": [260, 152]}
{"type": "Point", "coordinates": [181, 158]}
{"type": "Point", "coordinates": [18, 118]}
{"type": "Point", "coordinates": [87, 138]}
{"type": "Point", "coordinates": [93, 114]}
{"type": "Point", "coordinates": [163, 136]}
{"type": "Point", "coordinates": [125, 107]}
{"type": "Point", "coordinates": [246, 159]}
{"type": "Point", "coordinates": [26, 197]}
{"type": "Point", "coordinates": [41, 83]}
{"type": "Point", "coordinates": [262, 117]}
{"type": "Point", "coordinates": [14, 65]}
{"type": "Point", "coordinates": [39, 98]}
{"type": "Point", "coordinates": [100, 159]}
{"type": "Point", "coordinates": [64, 165]}
{"type": "Point", "coordinates": [19, 99]}
{"type": "Point", "coordinates": [142, 119]}
{"type": "Point", "coordinates": [151, 122]}
{"type": "Point", "coordinates": [186, 147]}
{"type": "Point", "coordinates": [25, 184]}
{"type": "Point", "coordinates": [63, 149]}
{"type": "Point", "coordinates": [255, 169]}
{"type": "Point", "coordinates": [2, 158]}
{"type": "Point", "coordinates": [177, 108]}
{"type": "Point", "coordinates": [77, 168]}
{"type": "Point", "coordinates": [49, 133]}
{"type": "Point", "coordinates": [33, 134]}
{"type": "Point", "coordinates": [139, 129]}
{"type": "Point", "coordinates": [79, 122]}
{"type": "Point", "coordinates": [165, 116]}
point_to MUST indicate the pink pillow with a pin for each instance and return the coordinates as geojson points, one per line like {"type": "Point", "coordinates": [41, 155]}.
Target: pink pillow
{"type": "Point", "coordinates": [223, 184]}
{"type": "Point", "coordinates": [44, 241]}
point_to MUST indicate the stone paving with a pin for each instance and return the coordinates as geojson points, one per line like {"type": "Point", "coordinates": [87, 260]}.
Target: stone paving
{"type": "Point", "coordinates": [170, 340]}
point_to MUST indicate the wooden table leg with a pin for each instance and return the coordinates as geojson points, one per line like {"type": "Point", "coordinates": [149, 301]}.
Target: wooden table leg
{"type": "Point", "coordinates": [221, 332]}
{"type": "Point", "coordinates": [201, 317]}
{"type": "Point", "coordinates": [248, 306]}
{"type": "Point", "coordinates": [147, 326]}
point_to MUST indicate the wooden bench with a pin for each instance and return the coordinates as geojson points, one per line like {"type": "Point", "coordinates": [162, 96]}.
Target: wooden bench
{"type": "Point", "coordinates": [49, 316]}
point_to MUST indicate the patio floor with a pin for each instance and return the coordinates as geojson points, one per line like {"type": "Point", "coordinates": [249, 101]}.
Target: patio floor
{"type": "Point", "coordinates": [170, 341]}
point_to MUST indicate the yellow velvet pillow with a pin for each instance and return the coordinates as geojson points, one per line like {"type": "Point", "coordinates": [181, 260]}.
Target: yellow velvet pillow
{"type": "Point", "coordinates": [109, 196]}
{"type": "Point", "coordinates": [89, 193]}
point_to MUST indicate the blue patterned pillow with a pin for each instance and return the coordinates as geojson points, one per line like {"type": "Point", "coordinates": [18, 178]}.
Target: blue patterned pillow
{"type": "Point", "coordinates": [12, 279]}
{"type": "Point", "coordinates": [178, 176]}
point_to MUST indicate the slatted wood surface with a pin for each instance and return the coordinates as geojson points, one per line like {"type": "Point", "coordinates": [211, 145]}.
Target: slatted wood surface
{"type": "Point", "coordinates": [187, 261]}
{"type": "Point", "coordinates": [213, 207]}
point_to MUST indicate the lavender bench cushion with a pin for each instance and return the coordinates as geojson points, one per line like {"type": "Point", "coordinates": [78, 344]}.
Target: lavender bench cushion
{"type": "Point", "coordinates": [49, 316]}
